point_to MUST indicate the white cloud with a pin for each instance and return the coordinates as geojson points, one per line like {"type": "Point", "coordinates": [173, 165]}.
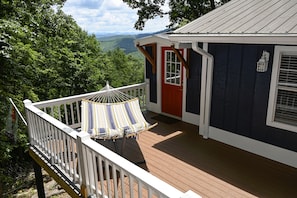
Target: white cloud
{"type": "Point", "coordinates": [91, 4]}
{"type": "Point", "coordinates": [111, 4]}
{"type": "Point", "coordinates": [97, 16]}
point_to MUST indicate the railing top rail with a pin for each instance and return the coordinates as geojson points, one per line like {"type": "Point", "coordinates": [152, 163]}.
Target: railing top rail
{"type": "Point", "coordinates": [145, 177]}
{"type": "Point", "coordinates": [80, 96]}
{"type": "Point", "coordinates": [50, 119]}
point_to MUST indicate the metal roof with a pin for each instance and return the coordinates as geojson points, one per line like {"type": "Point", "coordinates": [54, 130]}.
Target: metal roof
{"type": "Point", "coordinates": [258, 19]}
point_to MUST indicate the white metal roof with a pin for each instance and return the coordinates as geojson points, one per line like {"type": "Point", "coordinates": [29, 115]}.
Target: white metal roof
{"type": "Point", "coordinates": [259, 21]}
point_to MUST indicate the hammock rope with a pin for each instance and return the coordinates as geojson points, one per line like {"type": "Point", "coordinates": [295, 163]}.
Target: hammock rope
{"type": "Point", "coordinates": [112, 114]}
{"type": "Point", "coordinates": [109, 95]}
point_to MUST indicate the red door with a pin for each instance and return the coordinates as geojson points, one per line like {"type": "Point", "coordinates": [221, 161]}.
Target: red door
{"type": "Point", "coordinates": [172, 83]}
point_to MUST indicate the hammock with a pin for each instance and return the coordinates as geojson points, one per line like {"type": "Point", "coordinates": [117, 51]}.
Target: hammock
{"type": "Point", "coordinates": [112, 114]}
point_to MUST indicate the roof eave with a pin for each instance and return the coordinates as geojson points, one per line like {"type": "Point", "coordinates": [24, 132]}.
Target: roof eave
{"type": "Point", "coordinates": [287, 39]}
{"type": "Point", "coordinates": [157, 38]}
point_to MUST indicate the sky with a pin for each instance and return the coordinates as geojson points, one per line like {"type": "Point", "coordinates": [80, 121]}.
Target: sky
{"type": "Point", "coordinates": [109, 16]}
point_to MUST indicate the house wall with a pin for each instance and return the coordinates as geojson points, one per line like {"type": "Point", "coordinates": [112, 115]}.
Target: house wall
{"type": "Point", "coordinates": [194, 83]}
{"type": "Point", "coordinates": [240, 94]}
{"type": "Point", "coordinates": [152, 77]}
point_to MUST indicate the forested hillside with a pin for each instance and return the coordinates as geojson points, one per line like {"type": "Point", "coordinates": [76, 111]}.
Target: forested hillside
{"type": "Point", "coordinates": [124, 42]}
{"type": "Point", "coordinates": [44, 54]}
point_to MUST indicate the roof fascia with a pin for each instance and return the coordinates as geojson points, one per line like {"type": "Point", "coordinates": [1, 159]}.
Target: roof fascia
{"type": "Point", "coordinates": [288, 39]}
{"type": "Point", "coordinates": [153, 39]}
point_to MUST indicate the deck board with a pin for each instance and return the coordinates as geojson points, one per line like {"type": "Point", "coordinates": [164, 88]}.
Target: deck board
{"type": "Point", "coordinates": [176, 154]}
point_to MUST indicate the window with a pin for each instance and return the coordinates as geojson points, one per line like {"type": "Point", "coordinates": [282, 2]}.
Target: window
{"type": "Point", "coordinates": [282, 106]}
{"type": "Point", "coordinates": [172, 68]}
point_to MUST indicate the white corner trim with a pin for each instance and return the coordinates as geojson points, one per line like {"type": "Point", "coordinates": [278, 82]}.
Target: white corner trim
{"type": "Point", "coordinates": [153, 107]}
{"type": "Point", "coordinates": [191, 118]}
{"type": "Point", "coordinates": [184, 86]}
{"type": "Point", "coordinates": [269, 151]}
{"type": "Point", "coordinates": [159, 77]}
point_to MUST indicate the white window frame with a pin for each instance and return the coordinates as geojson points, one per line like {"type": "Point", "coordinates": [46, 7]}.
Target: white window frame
{"type": "Point", "coordinates": [270, 121]}
{"type": "Point", "coordinates": [175, 62]}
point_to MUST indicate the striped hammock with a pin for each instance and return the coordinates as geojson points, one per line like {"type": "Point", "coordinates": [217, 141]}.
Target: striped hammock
{"type": "Point", "coordinates": [112, 114]}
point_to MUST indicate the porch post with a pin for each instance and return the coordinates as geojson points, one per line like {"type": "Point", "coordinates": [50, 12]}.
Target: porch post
{"type": "Point", "coordinates": [206, 87]}
{"type": "Point", "coordinates": [27, 104]}
{"type": "Point", "coordinates": [38, 179]}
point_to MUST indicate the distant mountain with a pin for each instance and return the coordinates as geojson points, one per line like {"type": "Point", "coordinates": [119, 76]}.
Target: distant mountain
{"type": "Point", "coordinates": [122, 41]}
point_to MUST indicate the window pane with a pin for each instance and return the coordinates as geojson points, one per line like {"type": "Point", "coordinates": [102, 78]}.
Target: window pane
{"type": "Point", "coordinates": [288, 70]}
{"type": "Point", "coordinates": [286, 107]}
{"type": "Point", "coordinates": [167, 77]}
{"type": "Point", "coordinates": [167, 56]}
{"type": "Point", "coordinates": [178, 80]}
{"type": "Point", "coordinates": [173, 78]}
{"type": "Point", "coordinates": [177, 73]}
{"type": "Point", "coordinates": [178, 66]}
{"type": "Point", "coordinates": [173, 67]}
{"type": "Point", "coordinates": [168, 67]}
{"type": "Point", "coordinates": [172, 57]}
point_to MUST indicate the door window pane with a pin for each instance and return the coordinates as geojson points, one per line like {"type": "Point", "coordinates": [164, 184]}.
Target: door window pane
{"type": "Point", "coordinates": [172, 69]}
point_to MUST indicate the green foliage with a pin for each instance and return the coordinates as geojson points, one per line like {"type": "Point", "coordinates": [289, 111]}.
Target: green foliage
{"type": "Point", "coordinates": [181, 11]}
{"type": "Point", "coordinates": [147, 9]}
{"type": "Point", "coordinates": [131, 69]}
{"type": "Point", "coordinates": [44, 54]}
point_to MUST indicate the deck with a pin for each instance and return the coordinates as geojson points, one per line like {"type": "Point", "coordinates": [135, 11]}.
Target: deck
{"type": "Point", "coordinates": [179, 160]}
{"type": "Point", "coordinates": [177, 155]}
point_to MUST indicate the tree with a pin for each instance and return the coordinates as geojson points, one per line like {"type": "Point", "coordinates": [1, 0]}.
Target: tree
{"type": "Point", "coordinates": [123, 69]}
{"type": "Point", "coordinates": [181, 11]}
{"type": "Point", "coordinates": [44, 54]}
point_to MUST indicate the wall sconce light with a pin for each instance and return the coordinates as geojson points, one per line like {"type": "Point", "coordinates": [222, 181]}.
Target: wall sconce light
{"type": "Point", "coordinates": [262, 63]}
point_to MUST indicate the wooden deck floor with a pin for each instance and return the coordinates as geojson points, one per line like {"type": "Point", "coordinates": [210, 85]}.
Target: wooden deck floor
{"type": "Point", "coordinates": [175, 153]}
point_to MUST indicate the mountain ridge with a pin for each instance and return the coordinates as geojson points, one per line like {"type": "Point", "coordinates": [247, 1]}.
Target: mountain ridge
{"type": "Point", "coordinates": [123, 41]}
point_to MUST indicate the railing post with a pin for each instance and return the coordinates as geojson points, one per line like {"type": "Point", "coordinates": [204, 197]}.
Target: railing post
{"type": "Point", "coordinates": [81, 137]}
{"type": "Point", "coordinates": [27, 104]}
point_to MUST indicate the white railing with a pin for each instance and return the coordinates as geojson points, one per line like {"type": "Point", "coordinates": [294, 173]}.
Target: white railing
{"type": "Point", "coordinates": [109, 175]}
{"type": "Point", "coordinates": [93, 168]}
{"type": "Point", "coordinates": [53, 139]}
{"type": "Point", "coordinates": [67, 109]}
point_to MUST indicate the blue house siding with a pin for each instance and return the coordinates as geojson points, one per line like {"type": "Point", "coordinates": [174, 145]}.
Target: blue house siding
{"type": "Point", "coordinates": [194, 83]}
{"type": "Point", "coordinates": [152, 77]}
{"type": "Point", "coordinates": [240, 94]}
